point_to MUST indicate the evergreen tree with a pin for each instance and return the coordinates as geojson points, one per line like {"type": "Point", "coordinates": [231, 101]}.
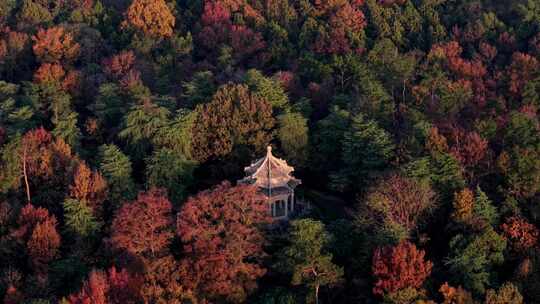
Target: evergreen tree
{"type": "Point", "coordinates": [367, 150]}
{"type": "Point", "coordinates": [15, 115]}
{"type": "Point", "coordinates": [484, 209]}
{"type": "Point", "coordinates": [67, 129]}
{"type": "Point", "coordinates": [306, 257]}
{"type": "Point", "coordinates": [473, 257]}
{"type": "Point", "coordinates": [293, 136]}
{"type": "Point", "coordinates": [328, 140]}
{"type": "Point", "coordinates": [234, 117]}
{"type": "Point", "coordinates": [172, 171]}
{"type": "Point", "coordinates": [442, 171]}
{"type": "Point", "coordinates": [267, 88]}
{"type": "Point", "coordinates": [79, 219]}
{"type": "Point", "coordinates": [116, 168]}
{"type": "Point", "coordinates": [142, 125]}
{"type": "Point", "coordinates": [109, 106]}
{"type": "Point", "coordinates": [177, 134]}
{"type": "Point", "coordinates": [200, 89]}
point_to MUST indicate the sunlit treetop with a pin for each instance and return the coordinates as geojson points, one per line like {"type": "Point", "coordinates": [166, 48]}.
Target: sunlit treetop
{"type": "Point", "coordinates": [152, 17]}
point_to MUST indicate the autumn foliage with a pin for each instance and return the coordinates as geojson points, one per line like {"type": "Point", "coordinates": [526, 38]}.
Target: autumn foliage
{"type": "Point", "coordinates": [49, 73]}
{"type": "Point", "coordinates": [37, 231]}
{"type": "Point", "coordinates": [345, 20]}
{"type": "Point", "coordinates": [220, 236]}
{"type": "Point", "coordinates": [218, 29]}
{"type": "Point", "coordinates": [463, 206]}
{"type": "Point", "coordinates": [111, 287]}
{"type": "Point", "coordinates": [399, 267]}
{"type": "Point", "coordinates": [152, 17]}
{"type": "Point", "coordinates": [54, 74]}
{"type": "Point", "coordinates": [44, 162]}
{"type": "Point", "coordinates": [451, 52]}
{"type": "Point", "coordinates": [521, 234]}
{"type": "Point", "coordinates": [413, 127]}
{"type": "Point", "coordinates": [468, 148]}
{"type": "Point", "coordinates": [436, 143]}
{"type": "Point", "coordinates": [142, 227]}
{"type": "Point", "coordinates": [13, 46]}
{"type": "Point", "coordinates": [36, 152]}
{"type": "Point", "coordinates": [120, 64]}
{"type": "Point", "coordinates": [399, 201]}
{"type": "Point", "coordinates": [521, 71]}
{"type": "Point", "coordinates": [55, 45]}
{"type": "Point", "coordinates": [453, 295]}
{"type": "Point", "coordinates": [89, 187]}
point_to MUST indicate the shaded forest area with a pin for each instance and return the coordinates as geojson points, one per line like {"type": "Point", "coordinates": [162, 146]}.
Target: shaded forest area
{"type": "Point", "coordinates": [413, 124]}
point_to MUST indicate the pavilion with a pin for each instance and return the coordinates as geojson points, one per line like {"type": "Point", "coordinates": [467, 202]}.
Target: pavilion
{"type": "Point", "coordinates": [273, 176]}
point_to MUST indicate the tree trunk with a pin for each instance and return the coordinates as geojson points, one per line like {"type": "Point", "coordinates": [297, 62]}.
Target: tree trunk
{"type": "Point", "coordinates": [317, 294]}
{"type": "Point", "coordinates": [28, 198]}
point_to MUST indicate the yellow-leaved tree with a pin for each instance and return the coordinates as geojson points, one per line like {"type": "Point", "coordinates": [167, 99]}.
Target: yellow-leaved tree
{"type": "Point", "coordinates": [152, 17]}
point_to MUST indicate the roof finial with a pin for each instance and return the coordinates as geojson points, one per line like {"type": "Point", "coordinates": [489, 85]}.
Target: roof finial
{"type": "Point", "coordinates": [269, 149]}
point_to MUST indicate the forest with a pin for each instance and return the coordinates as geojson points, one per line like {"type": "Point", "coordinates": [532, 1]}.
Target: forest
{"type": "Point", "coordinates": [413, 125]}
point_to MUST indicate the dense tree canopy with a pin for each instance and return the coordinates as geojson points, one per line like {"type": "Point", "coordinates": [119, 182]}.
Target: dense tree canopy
{"type": "Point", "coordinates": [126, 126]}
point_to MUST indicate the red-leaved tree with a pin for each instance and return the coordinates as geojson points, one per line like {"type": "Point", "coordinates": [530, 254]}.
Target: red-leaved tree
{"type": "Point", "coordinates": [143, 227]}
{"type": "Point", "coordinates": [399, 267]}
{"type": "Point", "coordinates": [521, 234]}
{"type": "Point", "coordinates": [522, 70]}
{"type": "Point", "coordinates": [49, 73]}
{"type": "Point", "coordinates": [45, 164]}
{"type": "Point", "coordinates": [451, 51]}
{"type": "Point", "coordinates": [222, 242]}
{"type": "Point", "coordinates": [469, 148]}
{"type": "Point", "coordinates": [218, 29]}
{"type": "Point", "coordinates": [37, 231]}
{"type": "Point", "coordinates": [111, 287]}
{"type": "Point", "coordinates": [120, 64]}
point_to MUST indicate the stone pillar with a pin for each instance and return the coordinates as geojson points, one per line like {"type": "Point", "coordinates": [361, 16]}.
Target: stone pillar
{"type": "Point", "coordinates": [273, 208]}
{"type": "Point", "coordinates": [286, 203]}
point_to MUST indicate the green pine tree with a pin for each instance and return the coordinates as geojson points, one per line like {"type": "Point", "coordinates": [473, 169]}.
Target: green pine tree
{"type": "Point", "coordinates": [367, 150]}
{"type": "Point", "coordinates": [116, 168]}
{"type": "Point", "coordinates": [293, 136]}
{"type": "Point", "coordinates": [473, 257]}
{"type": "Point", "coordinates": [483, 208]}
{"type": "Point", "coordinates": [306, 257]}
{"type": "Point", "coordinates": [79, 219]}
{"type": "Point", "coordinates": [172, 171]}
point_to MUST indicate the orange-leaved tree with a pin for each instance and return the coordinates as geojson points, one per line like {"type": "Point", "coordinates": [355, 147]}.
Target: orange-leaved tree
{"type": "Point", "coordinates": [37, 231]}
{"type": "Point", "coordinates": [152, 17]}
{"type": "Point", "coordinates": [399, 267]}
{"type": "Point", "coordinates": [89, 187]}
{"type": "Point", "coordinates": [55, 45]}
{"type": "Point", "coordinates": [463, 206]}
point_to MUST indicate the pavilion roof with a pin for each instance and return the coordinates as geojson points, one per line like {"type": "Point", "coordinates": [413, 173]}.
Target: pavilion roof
{"type": "Point", "coordinates": [270, 172]}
